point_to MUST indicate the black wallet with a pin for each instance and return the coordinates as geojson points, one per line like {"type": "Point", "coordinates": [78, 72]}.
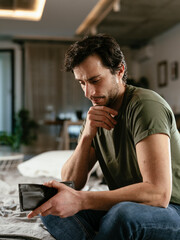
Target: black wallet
{"type": "Point", "coordinates": [32, 196]}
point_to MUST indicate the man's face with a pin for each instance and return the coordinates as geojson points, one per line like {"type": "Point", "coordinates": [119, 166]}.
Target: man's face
{"type": "Point", "coordinates": [99, 85]}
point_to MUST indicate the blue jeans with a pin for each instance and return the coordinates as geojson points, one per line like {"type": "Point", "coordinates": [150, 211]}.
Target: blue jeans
{"type": "Point", "coordinates": [124, 221]}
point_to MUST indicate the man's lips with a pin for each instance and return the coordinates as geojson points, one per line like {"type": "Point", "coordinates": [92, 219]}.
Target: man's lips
{"type": "Point", "coordinates": [96, 99]}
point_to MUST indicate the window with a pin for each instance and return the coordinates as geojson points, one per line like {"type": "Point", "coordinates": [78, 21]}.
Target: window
{"type": "Point", "coordinates": [6, 90]}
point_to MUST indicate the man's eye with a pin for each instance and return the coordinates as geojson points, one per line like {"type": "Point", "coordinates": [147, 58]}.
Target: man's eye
{"type": "Point", "coordinates": [95, 81]}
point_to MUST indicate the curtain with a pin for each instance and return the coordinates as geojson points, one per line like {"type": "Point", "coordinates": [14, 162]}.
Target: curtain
{"type": "Point", "coordinates": [47, 86]}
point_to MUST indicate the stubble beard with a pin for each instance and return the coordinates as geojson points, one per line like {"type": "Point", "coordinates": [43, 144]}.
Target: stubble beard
{"type": "Point", "coordinates": [113, 97]}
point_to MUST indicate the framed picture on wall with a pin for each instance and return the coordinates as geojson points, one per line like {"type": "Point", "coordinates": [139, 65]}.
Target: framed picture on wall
{"type": "Point", "coordinates": [174, 70]}
{"type": "Point", "coordinates": [162, 73]}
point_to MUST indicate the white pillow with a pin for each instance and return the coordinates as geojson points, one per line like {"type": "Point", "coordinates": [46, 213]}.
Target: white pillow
{"type": "Point", "coordinates": [45, 164]}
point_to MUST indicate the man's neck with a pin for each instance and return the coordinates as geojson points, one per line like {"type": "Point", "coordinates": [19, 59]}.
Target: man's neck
{"type": "Point", "coordinates": [118, 102]}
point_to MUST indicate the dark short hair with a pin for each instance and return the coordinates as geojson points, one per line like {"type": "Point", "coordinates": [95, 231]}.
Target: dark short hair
{"type": "Point", "coordinates": [105, 46]}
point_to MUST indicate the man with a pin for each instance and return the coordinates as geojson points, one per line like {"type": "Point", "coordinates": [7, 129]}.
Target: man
{"type": "Point", "coordinates": [132, 133]}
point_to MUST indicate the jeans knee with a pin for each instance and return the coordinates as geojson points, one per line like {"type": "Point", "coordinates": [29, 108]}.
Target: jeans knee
{"type": "Point", "coordinates": [124, 212]}
{"type": "Point", "coordinates": [129, 220]}
{"type": "Point", "coordinates": [120, 221]}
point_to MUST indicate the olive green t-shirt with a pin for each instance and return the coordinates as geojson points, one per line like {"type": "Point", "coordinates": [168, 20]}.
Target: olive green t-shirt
{"type": "Point", "coordinates": [143, 112]}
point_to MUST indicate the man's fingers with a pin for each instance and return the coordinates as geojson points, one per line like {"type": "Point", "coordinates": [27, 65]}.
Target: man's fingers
{"type": "Point", "coordinates": [102, 117]}
{"type": "Point", "coordinates": [47, 212]}
{"type": "Point", "coordinates": [103, 121]}
{"type": "Point", "coordinates": [44, 207]}
{"type": "Point", "coordinates": [53, 183]}
{"type": "Point", "coordinates": [105, 109]}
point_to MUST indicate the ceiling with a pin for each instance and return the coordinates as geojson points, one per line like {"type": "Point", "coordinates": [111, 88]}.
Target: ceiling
{"type": "Point", "coordinates": [60, 19]}
{"type": "Point", "coordinates": [137, 22]}
{"type": "Point", "coordinates": [140, 20]}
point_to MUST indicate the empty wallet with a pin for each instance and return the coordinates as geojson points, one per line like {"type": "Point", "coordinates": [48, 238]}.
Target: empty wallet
{"type": "Point", "coordinates": [32, 196]}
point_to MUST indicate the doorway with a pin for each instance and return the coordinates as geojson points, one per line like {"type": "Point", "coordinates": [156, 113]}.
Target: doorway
{"type": "Point", "coordinates": [6, 90]}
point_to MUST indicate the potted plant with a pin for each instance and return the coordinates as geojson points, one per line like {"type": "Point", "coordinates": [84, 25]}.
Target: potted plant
{"type": "Point", "coordinates": [25, 132]}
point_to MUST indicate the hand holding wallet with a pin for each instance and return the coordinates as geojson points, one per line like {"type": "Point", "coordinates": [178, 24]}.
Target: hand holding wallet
{"type": "Point", "coordinates": [32, 196]}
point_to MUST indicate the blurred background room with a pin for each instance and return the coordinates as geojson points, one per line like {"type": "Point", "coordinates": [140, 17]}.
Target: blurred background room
{"type": "Point", "coordinates": [41, 107]}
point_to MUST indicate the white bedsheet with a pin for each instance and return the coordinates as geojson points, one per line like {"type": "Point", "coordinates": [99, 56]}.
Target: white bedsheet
{"type": "Point", "coordinates": [15, 224]}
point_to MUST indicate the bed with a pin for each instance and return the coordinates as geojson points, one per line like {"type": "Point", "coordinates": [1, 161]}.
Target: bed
{"type": "Point", "coordinates": [14, 224]}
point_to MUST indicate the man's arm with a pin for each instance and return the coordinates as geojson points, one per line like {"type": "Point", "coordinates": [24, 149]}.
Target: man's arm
{"type": "Point", "coordinates": [155, 165]}
{"type": "Point", "coordinates": [154, 159]}
{"type": "Point", "coordinates": [79, 164]}
{"type": "Point", "coordinates": [83, 159]}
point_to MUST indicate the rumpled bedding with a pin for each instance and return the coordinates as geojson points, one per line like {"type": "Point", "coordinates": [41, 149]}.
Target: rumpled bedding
{"type": "Point", "coordinates": [15, 224]}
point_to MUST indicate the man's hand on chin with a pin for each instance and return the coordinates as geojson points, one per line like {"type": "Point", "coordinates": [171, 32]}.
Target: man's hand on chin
{"type": "Point", "coordinates": [99, 116]}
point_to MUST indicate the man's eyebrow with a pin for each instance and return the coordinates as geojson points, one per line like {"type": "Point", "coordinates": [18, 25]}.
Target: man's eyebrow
{"type": "Point", "coordinates": [90, 79]}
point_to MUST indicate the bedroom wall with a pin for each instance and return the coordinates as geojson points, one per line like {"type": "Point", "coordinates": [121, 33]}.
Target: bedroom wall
{"type": "Point", "coordinates": [165, 47]}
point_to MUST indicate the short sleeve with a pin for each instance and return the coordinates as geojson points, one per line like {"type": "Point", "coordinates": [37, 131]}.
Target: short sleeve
{"type": "Point", "coordinates": [147, 118]}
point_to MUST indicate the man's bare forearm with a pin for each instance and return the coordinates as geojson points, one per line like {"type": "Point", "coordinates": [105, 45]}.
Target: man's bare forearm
{"type": "Point", "coordinates": [144, 193]}
{"type": "Point", "coordinates": [83, 158]}
{"type": "Point", "coordinates": [80, 163]}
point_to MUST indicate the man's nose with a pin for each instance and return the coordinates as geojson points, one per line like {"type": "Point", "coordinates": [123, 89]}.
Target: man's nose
{"type": "Point", "coordinates": [88, 90]}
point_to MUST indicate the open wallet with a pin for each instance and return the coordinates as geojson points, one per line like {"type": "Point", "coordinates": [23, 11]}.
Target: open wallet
{"type": "Point", "coordinates": [32, 196]}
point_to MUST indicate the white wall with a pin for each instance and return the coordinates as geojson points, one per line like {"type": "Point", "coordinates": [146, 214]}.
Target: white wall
{"type": "Point", "coordinates": [166, 47]}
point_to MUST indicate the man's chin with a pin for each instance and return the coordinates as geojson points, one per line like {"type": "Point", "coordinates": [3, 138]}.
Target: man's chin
{"type": "Point", "coordinates": [98, 104]}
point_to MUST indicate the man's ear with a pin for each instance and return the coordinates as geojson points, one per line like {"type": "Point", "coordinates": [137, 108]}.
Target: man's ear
{"type": "Point", "coordinates": [121, 69]}
{"type": "Point", "coordinates": [120, 72]}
